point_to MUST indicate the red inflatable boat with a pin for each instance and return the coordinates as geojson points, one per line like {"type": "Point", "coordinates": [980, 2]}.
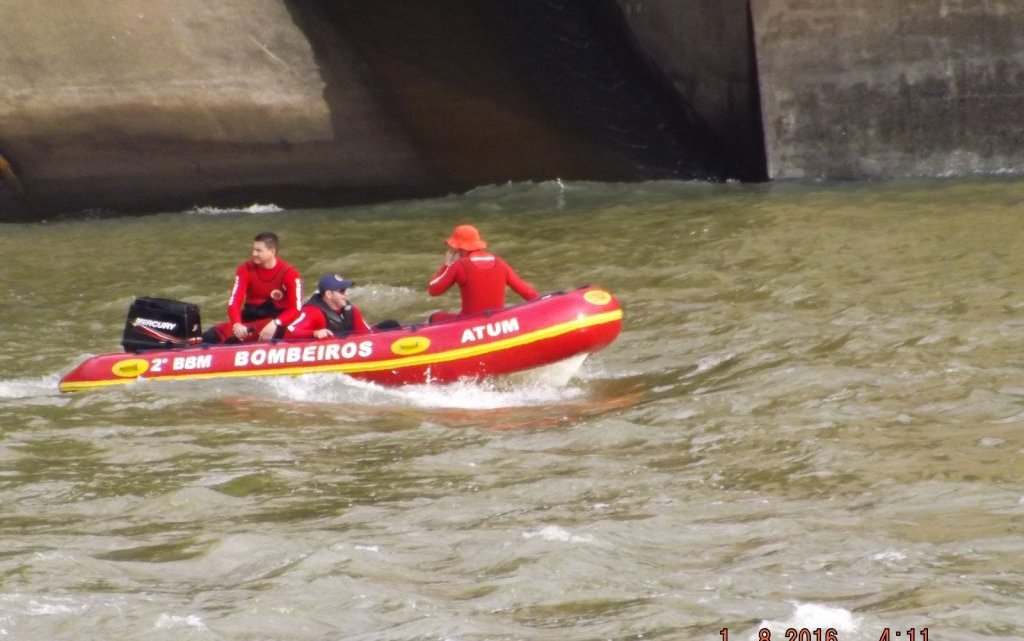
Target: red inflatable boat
{"type": "Point", "coordinates": [553, 328]}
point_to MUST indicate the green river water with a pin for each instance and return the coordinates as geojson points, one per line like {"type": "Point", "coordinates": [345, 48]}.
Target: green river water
{"type": "Point", "coordinates": [812, 420]}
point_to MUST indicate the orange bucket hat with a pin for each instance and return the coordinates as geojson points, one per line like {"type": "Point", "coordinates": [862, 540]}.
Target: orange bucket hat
{"type": "Point", "coordinates": [466, 237]}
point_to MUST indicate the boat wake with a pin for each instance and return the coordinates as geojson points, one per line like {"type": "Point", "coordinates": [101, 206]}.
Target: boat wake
{"type": "Point", "coordinates": [507, 403]}
{"type": "Point", "coordinates": [466, 395]}
{"type": "Point", "coordinates": [27, 388]}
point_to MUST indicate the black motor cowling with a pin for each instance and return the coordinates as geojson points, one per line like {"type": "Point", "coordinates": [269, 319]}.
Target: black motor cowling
{"type": "Point", "coordinates": [160, 323]}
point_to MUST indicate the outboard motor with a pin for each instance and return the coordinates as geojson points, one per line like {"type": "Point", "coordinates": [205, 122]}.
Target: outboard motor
{"type": "Point", "coordinates": [159, 323]}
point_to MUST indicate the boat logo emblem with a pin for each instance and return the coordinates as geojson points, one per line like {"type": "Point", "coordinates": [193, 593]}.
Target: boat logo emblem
{"type": "Point", "coordinates": [597, 297]}
{"type": "Point", "coordinates": [408, 345]}
{"type": "Point", "coordinates": [130, 368]}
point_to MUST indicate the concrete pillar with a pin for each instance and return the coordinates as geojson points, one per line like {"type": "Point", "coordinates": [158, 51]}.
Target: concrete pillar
{"type": "Point", "coordinates": [705, 51]}
{"type": "Point", "coordinates": [890, 88]}
{"type": "Point", "coordinates": [141, 104]}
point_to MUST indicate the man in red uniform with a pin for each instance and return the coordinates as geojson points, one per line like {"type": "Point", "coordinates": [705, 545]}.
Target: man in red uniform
{"type": "Point", "coordinates": [265, 297]}
{"type": "Point", "coordinates": [480, 275]}
{"type": "Point", "coordinates": [328, 312]}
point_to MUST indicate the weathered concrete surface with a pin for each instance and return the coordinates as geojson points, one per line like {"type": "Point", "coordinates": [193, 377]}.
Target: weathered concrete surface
{"type": "Point", "coordinates": [447, 75]}
{"type": "Point", "coordinates": [888, 88]}
{"type": "Point", "coordinates": [136, 105]}
{"type": "Point", "coordinates": [155, 103]}
{"type": "Point", "coordinates": [705, 50]}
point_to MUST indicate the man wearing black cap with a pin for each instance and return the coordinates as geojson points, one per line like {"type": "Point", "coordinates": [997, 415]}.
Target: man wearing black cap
{"type": "Point", "coordinates": [328, 312]}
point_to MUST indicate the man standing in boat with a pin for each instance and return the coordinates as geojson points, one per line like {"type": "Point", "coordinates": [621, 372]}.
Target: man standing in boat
{"type": "Point", "coordinates": [328, 312]}
{"type": "Point", "coordinates": [265, 297]}
{"type": "Point", "coordinates": [480, 275]}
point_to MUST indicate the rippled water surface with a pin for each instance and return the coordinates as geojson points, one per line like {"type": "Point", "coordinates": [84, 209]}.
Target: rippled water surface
{"type": "Point", "coordinates": [812, 419]}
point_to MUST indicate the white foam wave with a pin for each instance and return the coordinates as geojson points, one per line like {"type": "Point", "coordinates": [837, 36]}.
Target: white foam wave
{"type": "Point", "coordinates": [813, 616]}
{"type": "Point", "coordinates": [386, 300]}
{"type": "Point", "coordinates": [333, 388]}
{"type": "Point", "coordinates": [254, 208]}
{"type": "Point", "coordinates": [25, 388]}
{"type": "Point", "coordinates": [172, 622]}
{"type": "Point", "coordinates": [555, 533]}
{"type": "Point", "coordinates": [368, 548]}
{"type": "Point", "coordinates": [710, 362]}
{"type": "Point", "coordinates": [46, 606]}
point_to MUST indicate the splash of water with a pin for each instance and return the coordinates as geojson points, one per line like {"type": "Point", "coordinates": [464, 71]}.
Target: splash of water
{"type": "Point", "coordinates": [255, 208]}
{"type": "Point", "coordinates": [465, 395]}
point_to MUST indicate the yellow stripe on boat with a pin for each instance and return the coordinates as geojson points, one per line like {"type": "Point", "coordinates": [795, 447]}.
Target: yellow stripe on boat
{"type": "Point", "coordinates": [374, 366]}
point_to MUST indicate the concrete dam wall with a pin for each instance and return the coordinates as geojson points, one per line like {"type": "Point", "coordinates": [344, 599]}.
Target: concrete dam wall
{"type": "Point", "coordinates": [147, 105]}
{"type": "Point", "coordinates": [888, 88]}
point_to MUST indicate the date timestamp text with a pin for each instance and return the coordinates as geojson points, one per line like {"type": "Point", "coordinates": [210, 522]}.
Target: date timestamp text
{"type": "Point", "coordinates": [831, 634]}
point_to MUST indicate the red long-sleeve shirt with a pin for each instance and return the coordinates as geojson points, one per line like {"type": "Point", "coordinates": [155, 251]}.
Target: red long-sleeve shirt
{"type": "Point", "coordinates": [481, 277]}
{"type": "Point", "coordinates": [254, 285]}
